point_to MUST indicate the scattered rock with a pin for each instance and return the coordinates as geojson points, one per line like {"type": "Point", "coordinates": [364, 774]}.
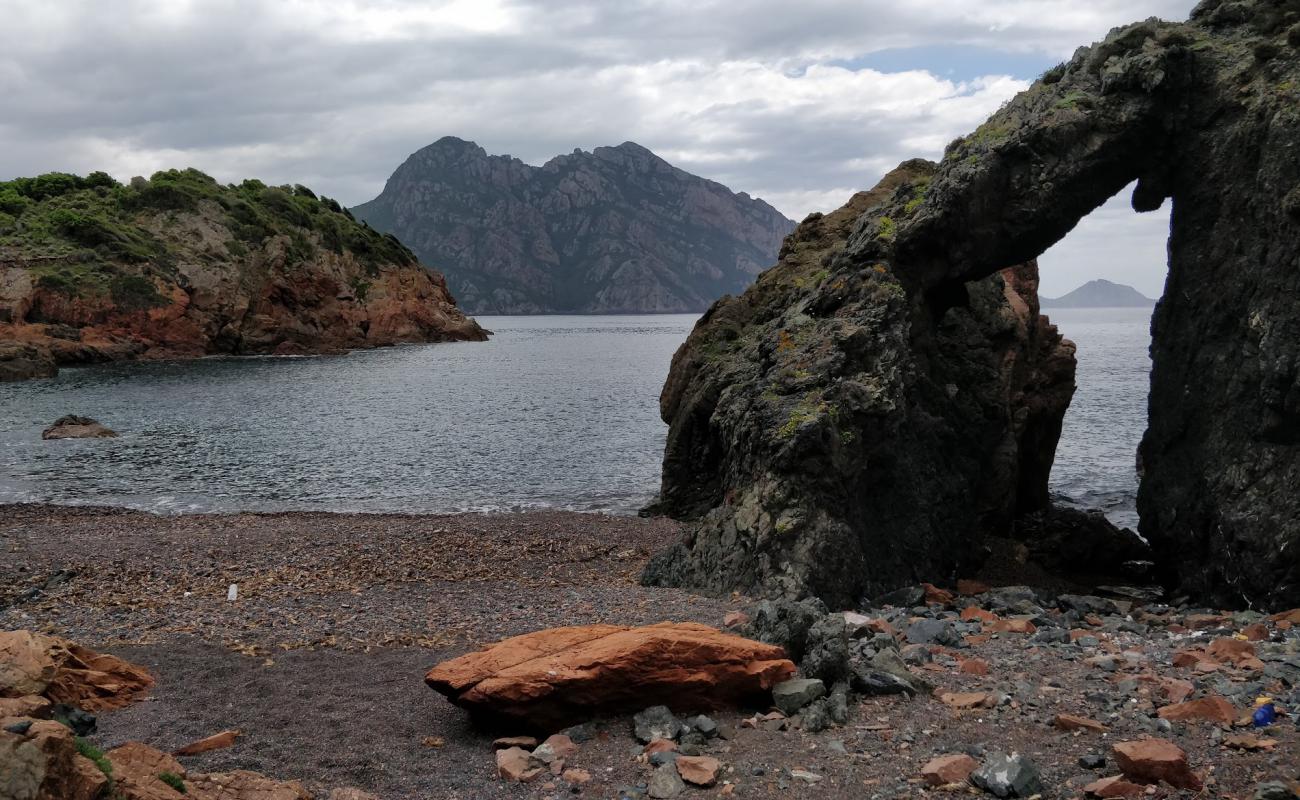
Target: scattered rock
{"type": "Point", "coordinates": [517, 764]}
{"type": "Point", "coordinates": [1155, 760]}
{"type": "Point", "coordinates": [42, 763]}
{"type": "Point", "coordinates": [1204, 709]}
{"type": "Point", "coordinates": [1069, 722]}
{"type": "Point", "coordinates": [1274, 790]}
{"type": "Point", "coordinates": [949, 769]}
{"type": "Point", "coordinates": [1114, 787]}
{"type": "Point", "coordinates": [934, 631]}
{"type": "Point", "coordinates": [1008, 776]}
{"type": "Point", "coordinates": [699, 770]}
{"type": "Point", "coordinates": [792, 695]}
{"type": "Point", "coordinates": [216, 741]}
{"type": "Point", "coordinates": [665, 782]}
{"type": "Point", "coordinates": [524, 742]}
{"type": "Point", "coordinates": [556, 677]}
{"type": "Point", "coordinates": [785, 623]}
{"type": "Point", "coordinates": [656, 722]}
{"type": "Point", "coordinates": [74, 427]}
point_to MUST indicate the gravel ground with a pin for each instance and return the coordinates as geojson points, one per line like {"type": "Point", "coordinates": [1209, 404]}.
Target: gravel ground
{"type": "Point", "coordinates": [319, 662]}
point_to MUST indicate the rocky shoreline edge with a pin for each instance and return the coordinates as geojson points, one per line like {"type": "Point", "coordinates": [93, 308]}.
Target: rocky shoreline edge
{"type": "Point", "coordinates": [320, 662]}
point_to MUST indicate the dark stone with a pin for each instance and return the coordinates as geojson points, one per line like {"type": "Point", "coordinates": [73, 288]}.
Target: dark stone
{"type": "Point", "coordinates": [1008, 776]}
{"type": "Point", "coordinates": [1274, 790]}
{"type": "Point", "coordinates": [1086, 604]}
{"type": "Point", "coordinates": [81, 722]}
{"type": "Point", "coordinates": [785, 623]}
{"type": "Point", "coordinates": [704, 725]}
{"type": "Point", "coordinates": [19, 728]}
{"type": "Point", "coordinates": [869, 681]}
{"type": "Point", "coordinates": [934, 631]}
{"type": "Point", "coordinates": [1071, 541]}
{"type": "Point", "coordinates": [656, 722]}
{"type": "Point", "coordinates": [792, 695]}
{"type": "Point", "coordinates": [827, 650]}
{"type": "Point", "coordinates": [905, 597]}
{"type": "Point", "coordinates": [1092, 761]}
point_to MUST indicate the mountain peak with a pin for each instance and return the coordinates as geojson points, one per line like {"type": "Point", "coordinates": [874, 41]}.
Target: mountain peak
{"type": "Point", "coordinates": [1100, 293]}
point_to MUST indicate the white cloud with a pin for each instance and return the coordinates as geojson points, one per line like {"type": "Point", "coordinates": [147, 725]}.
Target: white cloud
{"type": "Point", "coordinates": [336, 94]}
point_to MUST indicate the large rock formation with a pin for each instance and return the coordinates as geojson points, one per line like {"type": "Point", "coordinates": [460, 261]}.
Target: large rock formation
{"type": "Point", "coordinates": [839, 435]}
{"type": "Point", "coordinates": [37, 665]}
{"type": "Point", "coordinates": [870, 478]}
{"type": "Point", "coordinates": [552, 678]}
{"type": "Point", "coordinates": [179, 265]}
{"type": "Point", "coordinates": [615, 230]}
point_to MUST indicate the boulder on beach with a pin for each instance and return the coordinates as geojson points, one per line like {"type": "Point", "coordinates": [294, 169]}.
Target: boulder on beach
{"type": "Point", "coordinates": [33, 664]}
{"type": "Point", "coordinates": [556, 677]}
{"type": "Point", "coordinates": [74, 427]}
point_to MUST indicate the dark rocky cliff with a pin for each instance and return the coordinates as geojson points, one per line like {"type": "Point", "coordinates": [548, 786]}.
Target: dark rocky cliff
{"type": "Point", "coordinates": [1206, 113]}
{"type": "Point", "coordinates": [615, 230]}
{"type": "Point", "coordinates": [836, 437]}
{"type": "Point", "coordinates": [181, 266]}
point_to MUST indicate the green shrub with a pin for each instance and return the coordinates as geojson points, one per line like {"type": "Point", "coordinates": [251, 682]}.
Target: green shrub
{"type": "Point", "coordinates": [52, 184]}
{"type": "Point", "coordinates": [173, 780]}
{"type": "Point", "coordinates": [11, 202]}
{"type": "Point", "coordinates": [134, 293]}
{"type": "Point", "coordinates": [88, 750]}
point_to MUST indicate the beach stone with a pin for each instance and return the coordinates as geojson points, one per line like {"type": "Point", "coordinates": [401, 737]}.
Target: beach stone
{"type": "Point", "coordinates": [556, 747]}
{"type": "Point", "coordinates": [826, 653]}
{"type": "Point", "coordinates": [517, 764]}
{"type": "Point", "coordinates": [1069, 722]}
{"type": "Point", "coordinates": [577, 777]}
{"type": "Point", "coordinates": [871, 681]}
{"type": "Point", "coordinates": [934, 631]}
{"type": "Point", "coordinates": [552, 678]}
{"type": "Point", "coordinates": [524, 742]}
{"type": "Point", "coordinates": [65, 672]}
{"type": "Point", "coordinates": [665, 782]}
{"type": "Point", "coordinates": [81, 722]}
{"type": "Point", "coordinates": [74, 427]}
{"type": "Point", "coordinates": [1008, 776]}
{"type": "Point", "coordinates": [1155, 760]}
{"type": "Point", "coordinates": [1274, 790]}
{"type": "Point", "coordinates": [792, 695]}
{"type": "Point", "coordinates": [43, 764]}
{"type": "Point", "coordinates": [242, 785]}
{"type": "Point", "coordinates": [699, 770]}
{"type": "Point", "coordinates": [703, 724]}
{"type": "Point", "coordinates": [1203, 709]}
{"type": "Point", "coordinates": [216, 741]}
{"type": "Point", "coordinates": [943, 770]}
{"type": "Point", "coordinates": [656, 722]}
{"type": "Point", "coordinates": [1114, 787]}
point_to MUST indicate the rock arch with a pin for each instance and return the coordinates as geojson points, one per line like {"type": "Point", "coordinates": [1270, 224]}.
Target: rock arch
{"type": "Point", "coordinates": [888, 394]}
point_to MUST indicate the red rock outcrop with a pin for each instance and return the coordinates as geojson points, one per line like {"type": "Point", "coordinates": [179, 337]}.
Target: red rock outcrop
{"type": "Point", "coordinates": [43, 764]}
{"type": "Point", "coordinates": [552, 678]}
{"type": "Point", "coordinates": [65, 672]}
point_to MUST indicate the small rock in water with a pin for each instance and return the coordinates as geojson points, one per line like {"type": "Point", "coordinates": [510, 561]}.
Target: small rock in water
{"type": "Point", "coordinates": [74, 427]}
{"type": "Point", "coordinates": [1008, 776]}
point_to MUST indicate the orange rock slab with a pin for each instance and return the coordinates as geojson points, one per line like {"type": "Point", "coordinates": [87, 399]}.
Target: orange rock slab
{"type": "Point", "coordinates": [1155, 760]}
{"type": "Point", "coordinates": [552, 678]}
{"type": "Point", "coordinates": [65, 672]}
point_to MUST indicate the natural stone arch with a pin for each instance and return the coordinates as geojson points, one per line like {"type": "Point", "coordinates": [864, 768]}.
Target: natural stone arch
{"type": "Point", "coordinates": [788, 402]}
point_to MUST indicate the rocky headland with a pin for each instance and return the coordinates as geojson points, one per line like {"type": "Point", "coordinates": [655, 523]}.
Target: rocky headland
{"type": "Point", "coordinates": [847, 426]}
{"type": "Point", "coordinates": [179, 266]}
{"type": "Point", "coordinates": [617, 230]}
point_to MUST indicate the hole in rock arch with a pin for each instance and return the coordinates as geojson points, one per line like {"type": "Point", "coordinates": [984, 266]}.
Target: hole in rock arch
{"type": "Point", "coordinates": [1096, 459]}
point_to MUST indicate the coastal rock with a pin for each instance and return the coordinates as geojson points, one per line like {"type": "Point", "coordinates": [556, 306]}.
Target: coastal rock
{"type": "Point", "coordinates": [187, 267]}
{"type": "Point", "coordinates": [825, 442]}
{"type": "Point", "coordinates": [21, 362]}
{"type": "Point", "coordinates": [1008, 776]}
{"type": "Point", "coordinates": [829, 367]}
{"type": "Point", "coordinates": [74, 427]}
{"type": "Point", "coordinates": [1204, 709]}
{"type": "Point", "coordinates": [65, 672]}
{"type": "Point", "coordinates": [242, 785]}
{"type": "Point", "coordinates": [551, 678]}
{"type": "Point", "coordinates": [944, 770]}
{"type": "Point", "coordinates": [616, 230]}
{"type": "Point", "coordinates": [43, 764]}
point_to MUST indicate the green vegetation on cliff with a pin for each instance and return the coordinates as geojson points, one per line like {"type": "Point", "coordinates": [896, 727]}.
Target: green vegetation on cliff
{"type": "Point", "coordinates": [74, 232]}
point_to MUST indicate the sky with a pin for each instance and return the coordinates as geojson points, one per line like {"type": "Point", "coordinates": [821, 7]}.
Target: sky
{"type": "Point", "coordinates": [800, 104]}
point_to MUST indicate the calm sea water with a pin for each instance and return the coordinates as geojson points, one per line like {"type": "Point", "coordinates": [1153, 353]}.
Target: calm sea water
{"type": "Point", "coordinates": [553, 412]}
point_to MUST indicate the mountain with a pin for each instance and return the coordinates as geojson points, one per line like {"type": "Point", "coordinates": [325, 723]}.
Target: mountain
{"type": "Point", "coordinates": [616, 230]}
{"type": "Point", "coordinates": [179, 265]}
{"type": "Point", "coordinates": [1100, 294]}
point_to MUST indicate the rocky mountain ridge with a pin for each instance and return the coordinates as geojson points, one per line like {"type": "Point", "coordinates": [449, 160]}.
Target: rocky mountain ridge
{"type": "Point", "coordinates": [615, 230]}
{"type": "Point", "coordinates": [180, 266]}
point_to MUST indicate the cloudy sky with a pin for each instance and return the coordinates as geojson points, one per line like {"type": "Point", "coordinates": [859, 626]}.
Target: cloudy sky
{"type": "Point", "coordinates": [798, 103]}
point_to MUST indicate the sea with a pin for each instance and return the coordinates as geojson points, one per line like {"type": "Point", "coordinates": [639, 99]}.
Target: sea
{"type": "Point", "coordinates": [554, 412]}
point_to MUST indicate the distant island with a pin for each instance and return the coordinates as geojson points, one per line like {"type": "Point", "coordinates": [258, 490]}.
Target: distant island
{"type": "Point", "coordinates": [613, 231]}
{"type": "Point", "coordinates": [1100, 293]}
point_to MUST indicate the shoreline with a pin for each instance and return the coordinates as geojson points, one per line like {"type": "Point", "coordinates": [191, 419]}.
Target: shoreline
{"type": "Point", "coordinates": [320, 660]}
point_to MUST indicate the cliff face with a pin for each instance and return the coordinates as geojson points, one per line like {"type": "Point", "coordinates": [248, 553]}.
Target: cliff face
{"type": "Point", "coordinates": [616, 230]}
{"type": "Point", "coordinates": [179, 266]}
{"type": "Point", "coordinates": [823, 417]}
{"type": "Point", "coordinates": [1205, 112]}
